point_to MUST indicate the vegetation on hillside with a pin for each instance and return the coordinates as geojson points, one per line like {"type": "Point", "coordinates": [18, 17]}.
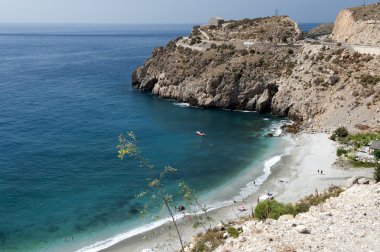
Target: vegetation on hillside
{"type": "Point", "coordinates": [368, 12]}
{"type": "Point", "coordinates": [352, 143]}
{"type": "Point", "coordinates": [212, 238]}
{"type": "Point", "coordinates": [279, 29]}
{"type": "Point", "coordinates": [273, 210]}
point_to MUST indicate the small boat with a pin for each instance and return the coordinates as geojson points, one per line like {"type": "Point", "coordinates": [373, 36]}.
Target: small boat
{"type": "Point", "coordinates": [200, 133]}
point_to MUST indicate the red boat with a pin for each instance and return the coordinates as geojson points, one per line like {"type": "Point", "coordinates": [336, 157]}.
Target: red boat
{"type": "Point", "coordinates": [200, 133]}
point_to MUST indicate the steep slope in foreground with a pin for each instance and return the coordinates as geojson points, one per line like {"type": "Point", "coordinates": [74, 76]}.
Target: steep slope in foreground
{"type": "Point", "coordinates": [323, 85]}
{"type": "Point", "coordinates": [350, 222]}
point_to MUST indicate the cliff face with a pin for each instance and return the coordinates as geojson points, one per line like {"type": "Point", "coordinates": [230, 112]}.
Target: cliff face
{"type": "Point", "coordinates": [358, 26]}
{"type": "Point", "coordinates": [323, 86]}
{"type": "Point", "coordinates": [221, 77]}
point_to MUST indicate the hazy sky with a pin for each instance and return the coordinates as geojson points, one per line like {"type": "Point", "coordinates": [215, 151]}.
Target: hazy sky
{"type": "Point", "coordinates": [165, 11]}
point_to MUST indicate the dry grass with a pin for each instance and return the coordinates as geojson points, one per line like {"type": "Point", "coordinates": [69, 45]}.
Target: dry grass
{"type": "Point", "coordinates": [208, 241]}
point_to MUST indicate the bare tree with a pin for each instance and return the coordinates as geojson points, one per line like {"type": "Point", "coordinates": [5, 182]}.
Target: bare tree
{"type": "Point", "coordinates": [156, 187]}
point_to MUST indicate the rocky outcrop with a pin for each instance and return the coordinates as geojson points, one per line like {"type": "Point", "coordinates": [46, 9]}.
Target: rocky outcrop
{"type": "Point", "coordinates": [349, 222]}
{"type": "Point", "coordinates": [358, 26]}
{"type": "Point", "coordinates": [321, 30]}
{"type": "Point", "coordinates": [279, 29]}
{"type": "Point", "coordinates": [322, 85]}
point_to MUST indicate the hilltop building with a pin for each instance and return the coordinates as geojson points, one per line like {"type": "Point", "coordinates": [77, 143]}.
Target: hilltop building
{"type": "Point", "coordinates": [216, 21]}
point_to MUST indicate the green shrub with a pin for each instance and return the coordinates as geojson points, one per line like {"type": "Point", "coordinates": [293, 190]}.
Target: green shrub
{"type": "Point", "coordinates": [210, 237]}
{"type": "Point", "coordinates": [320, 57]}
{"type": "Point", "coordinates": [272, 209]}
{"type": "Point", "coordinates": [340, 152]}
{"type": "Point", "coordinates": [281, 210]}
{"type": "Point", "coordinates": [376, 174]}
{"type": "Point", "coordinates": [193, 41]}
{"type": "Point", "coordinates": [334, 79]}
{"type": "Point", "coordinates": [264, 209]}
{"type": "Point", "coordinates": [233, 232]}
{"type": "Point", "coordinates": [376, 153]}
{"type": "Point", "coordinates": [318, 198]}
{"type": "Point", "coordinates": [213, 46]}
{"type": "Point", "coordinates": [363, 138]}
{"type": "Point", "coordinates": [301, 207]}
{"type": "Point", "coordinates": [318, 81]}
{"type": "Point", "coordinates": [367, 79]}
{"type": "Point", "coordinates": [360, 164]}
{"type": "Point", "coordinates": [341, 132]}
{"type": "Point", "coordinates": [244, 52]}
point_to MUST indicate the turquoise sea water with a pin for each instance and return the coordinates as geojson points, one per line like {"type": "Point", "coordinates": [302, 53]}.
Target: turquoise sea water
{"type": "Point", "coordinates": [65, 97]}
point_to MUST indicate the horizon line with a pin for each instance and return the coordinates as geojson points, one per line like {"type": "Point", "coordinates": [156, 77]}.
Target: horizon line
{"type": "Point", "coordinates": [132, 23]}
{"type": "Point", "coordinates": [86, 23]}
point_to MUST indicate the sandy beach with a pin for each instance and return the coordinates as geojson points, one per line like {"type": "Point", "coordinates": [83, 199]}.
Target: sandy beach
{"type": "Point", "coordinates": [293, 177]}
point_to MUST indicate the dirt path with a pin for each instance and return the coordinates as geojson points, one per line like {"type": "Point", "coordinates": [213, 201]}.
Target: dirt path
{"type": "Point", "coordinates": [207, 37]}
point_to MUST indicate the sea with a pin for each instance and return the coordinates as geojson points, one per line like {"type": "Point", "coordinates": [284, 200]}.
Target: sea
{"type": "Point", "coordinates": [66, 96]}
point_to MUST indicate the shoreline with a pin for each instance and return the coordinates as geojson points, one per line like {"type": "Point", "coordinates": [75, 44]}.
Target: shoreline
{"type": "Point", "coordinates": [292, 177]}
{"type": "Point", "coordinates": [215, 199]}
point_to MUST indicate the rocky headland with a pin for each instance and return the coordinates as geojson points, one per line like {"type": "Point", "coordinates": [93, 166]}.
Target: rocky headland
{"type": "Point", "coordinates": [268, 65]}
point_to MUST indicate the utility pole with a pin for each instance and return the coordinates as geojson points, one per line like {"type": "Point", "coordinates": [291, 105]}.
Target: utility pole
{"type": "Point", "coordinates": [276, 12]}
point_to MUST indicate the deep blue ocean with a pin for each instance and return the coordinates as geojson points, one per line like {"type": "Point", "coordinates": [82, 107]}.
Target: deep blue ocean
{"type": "Point", "coordinates": [65, 96]}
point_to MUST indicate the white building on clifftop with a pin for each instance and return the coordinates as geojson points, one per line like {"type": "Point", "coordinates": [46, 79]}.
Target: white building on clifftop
{"type": "Point", "coordinates": [216, 21]}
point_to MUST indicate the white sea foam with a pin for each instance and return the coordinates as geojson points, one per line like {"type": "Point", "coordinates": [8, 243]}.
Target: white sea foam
{"type": "Point", "coordinates": [276, 127]}
{"type": "Point", "coordinates": [253, 186]}
{"type": "Point", "coordinates": [120, 237]}
{"type": "Point", "coordinates": [182, 104]}
{"type": "Point", "coordinates": [241, 111]}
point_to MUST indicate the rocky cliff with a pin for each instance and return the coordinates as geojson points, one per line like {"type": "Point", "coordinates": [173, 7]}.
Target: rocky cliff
{"type": "Point", "coordinates": [359, 25]}
{"type": "Point", "coordinates": [267, 70]}
{"type": "Point", "coordinates": [321, 30]}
